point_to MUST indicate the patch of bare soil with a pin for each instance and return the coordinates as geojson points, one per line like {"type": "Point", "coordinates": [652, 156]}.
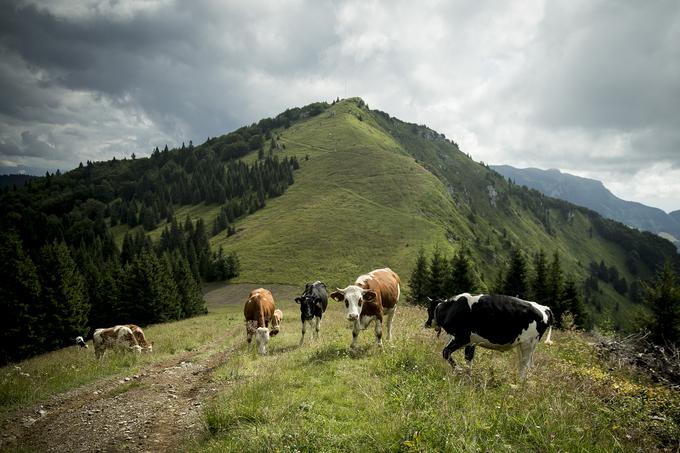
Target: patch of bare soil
{"type": "Point", "coordinates": [156, 410]}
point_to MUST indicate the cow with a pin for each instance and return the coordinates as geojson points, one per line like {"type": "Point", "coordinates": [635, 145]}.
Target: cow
{"type": "Point", "coordinates": [141, 339]}
{"type": "Point", "coordinates": [495, 322]}
{"type": "Point", "coordinates": [260, 311]}
{"type": "Point", "coordinates": [372, 296]}
{"type": "Point", "coordinates": [80, 341]}
{"type": "Point", "coordinates": [117, 337]}
{"type": "Point", "coordinates": [313, 303]}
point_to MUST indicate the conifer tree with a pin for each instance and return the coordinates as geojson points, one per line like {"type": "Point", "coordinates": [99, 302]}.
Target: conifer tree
{"type": "Point", "coordinates": [515, 281]}
{"type": "Point", "coordinates": [64, 296]}
{"type": "Point", "coordinates": [555, 286]}
{"type": "Point", "coordinates": [19, 295]}
{"type": "Point", "coordinates": [460, 277]}
{"type": "Point", "coordinates": [437, 275]}
{"type": "Point", "coordinates": [572, 302]}
{"type": "Point", "coordinates": [539, 280]}
{"type": "Point", "coordinates": [662, 296]}
{"type": "Point", "coordinates": [419, 281]}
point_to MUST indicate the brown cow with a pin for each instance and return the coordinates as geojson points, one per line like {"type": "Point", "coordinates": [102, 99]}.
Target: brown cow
{"type": "Point", "coordinates": [372, 296]}
{"type": "Point", "coordinates": [114, 337]}
{"type": "Point", "coordinates": [260, 311]}
{"type": "Point", "coordinates": [141, 339]}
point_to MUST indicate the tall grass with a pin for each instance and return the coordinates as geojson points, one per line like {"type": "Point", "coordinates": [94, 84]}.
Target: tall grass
{"type": "Point", "coordinates": [324, 397]}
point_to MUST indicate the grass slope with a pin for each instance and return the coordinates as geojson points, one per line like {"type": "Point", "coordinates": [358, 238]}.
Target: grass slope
{"type": "Point", "coordinates": [358, 203]}
{"type": "Point", "coordinates": [323, 397]}
{"type": "Point", "coordinates": [372, 190]}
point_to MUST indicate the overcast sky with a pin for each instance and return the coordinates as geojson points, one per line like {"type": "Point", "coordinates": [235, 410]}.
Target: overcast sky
{"type": "Point", "coordinates": [589, 87]}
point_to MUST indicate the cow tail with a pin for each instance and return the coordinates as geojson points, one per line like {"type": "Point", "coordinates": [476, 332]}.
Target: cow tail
{"type": "Point", "coordinates": [551, 322]}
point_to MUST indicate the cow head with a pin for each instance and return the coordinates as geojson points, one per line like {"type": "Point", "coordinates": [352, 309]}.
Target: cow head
{"type": "Point", "coordinates": [148, 348]}
{"type": "Point", "coordinates": [306, 304]}
{"type": "Point", "coordinates": [262, 337]}
{"type": "Point", "coordinates": [431, 309]}
{"type": "Point", "coordinates": [276, 322]}
{"type": "Point", "coordinates": [354, 297]}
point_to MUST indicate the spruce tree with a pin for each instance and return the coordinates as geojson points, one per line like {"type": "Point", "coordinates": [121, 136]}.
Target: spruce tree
{"type": "Point", "coordinates": [662, 296]}
{"type": "Point", "coordinates": [515, 281]}
{"type": "Point", "coordinates": [572, 302]}
{"type": "Point", "coordinates": [64, 297]}
{"type": "Point", "coordinates": [419, 281]}
{"type": "Point", "coordinates": [437, 275]}
{"type": "Point", "coordinates": [555, 287]}
{"type": "Point", "coordinates": [539, 280]}
{"type": "Point", "coordinates": [460, 277]}
{"type": "Point", "coordinates": [19, 298]}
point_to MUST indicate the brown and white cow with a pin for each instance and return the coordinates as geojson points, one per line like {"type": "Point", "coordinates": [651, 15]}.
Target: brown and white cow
{"type": "Point", "coordinates": [372, 296]}
{"type": "Point", "coordinates": [141, 339]}
{"type": "Point", "coordinates": [260, 311]}
{"type": "Point", "coordinates": [117, 337]}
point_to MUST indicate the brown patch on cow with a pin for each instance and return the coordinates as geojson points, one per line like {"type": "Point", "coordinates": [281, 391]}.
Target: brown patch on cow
{"type": "Point", "coordinates": [259, 309]}
{"type": "Point", "coordinates": [139, 335]}
{"type": "Point", "coordinates": [384, 283]}
{"type": "Point", "coordinates": [337, 295]}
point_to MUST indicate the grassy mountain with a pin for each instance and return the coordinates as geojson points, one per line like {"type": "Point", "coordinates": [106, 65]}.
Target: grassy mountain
{"type": "Point", "coordinates": [370, 191]}
{"type": "Point", "coordinates": [373, 189]}
{"type": "Point", "coordinates": [594, 195]}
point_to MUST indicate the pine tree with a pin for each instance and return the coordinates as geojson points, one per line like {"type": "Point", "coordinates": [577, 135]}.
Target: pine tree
{"type": "Point", "coordinates": [64, 297]}
{"type": "Point", "coordinates": [149, 291]}
{"type": "Point", "coordinates": [515, 281]}
{"type": "Point", "coordinates": [555, 287]}
{"type": "Point", "coordinates": [419, 281]}
{"type": "Point", "coordinates": [19, 296]}
{"type": "Point", "coordinates": [191, 299]}
{"type": "Point", "coordinates": [572, 302]}
{"type": "Point", "coordinates": [437, 275]}
{"type": "Point", "coordinates": [460, 277]}
{"type": "Point", "coordinates": [662, 296]}
{"type": "Point", "coordinates": [539, 280]}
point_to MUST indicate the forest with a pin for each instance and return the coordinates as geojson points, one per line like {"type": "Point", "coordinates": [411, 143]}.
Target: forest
{"type": "Point", "coordinates": [63, 273]}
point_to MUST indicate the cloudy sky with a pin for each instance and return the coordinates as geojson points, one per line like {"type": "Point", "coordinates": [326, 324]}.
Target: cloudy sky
{"type": "Point", "coordinates": [589, 87]}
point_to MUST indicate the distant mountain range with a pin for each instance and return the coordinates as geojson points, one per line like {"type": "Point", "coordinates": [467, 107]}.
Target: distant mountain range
{"type": "Point", "coordinates": [592, 194]}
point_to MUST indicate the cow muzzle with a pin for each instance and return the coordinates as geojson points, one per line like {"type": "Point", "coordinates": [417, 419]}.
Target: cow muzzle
{"type": "Point", "coordinates": [352, 317]}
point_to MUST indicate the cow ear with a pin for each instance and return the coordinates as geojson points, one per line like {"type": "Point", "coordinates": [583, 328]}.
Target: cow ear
{"type": "Point", "coordinates": [338, 295]}
{"type": "Point", "coordinates": [298, 300]}
{"type": "Point", "coordinates": [369, 295]}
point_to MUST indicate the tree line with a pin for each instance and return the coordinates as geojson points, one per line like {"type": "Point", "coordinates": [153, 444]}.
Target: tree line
{"type": "Point", "coordinates": [439, 277]}
{"type": "Point", "coordinates": [63, 274]}
{"type": "Point", "coordinates": [542, 280]}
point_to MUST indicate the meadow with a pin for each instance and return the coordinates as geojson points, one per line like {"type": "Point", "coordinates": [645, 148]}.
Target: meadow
{"type": "Point", "coordinates": [322, 396]}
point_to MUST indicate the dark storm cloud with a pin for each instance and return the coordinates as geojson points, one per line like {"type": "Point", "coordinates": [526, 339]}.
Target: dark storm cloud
{"type": "Point", "coordinates": [590, 87]}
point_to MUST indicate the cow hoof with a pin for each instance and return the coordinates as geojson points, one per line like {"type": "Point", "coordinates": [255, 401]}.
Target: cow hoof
{"type": "Point", "coordinates": [549, 342]}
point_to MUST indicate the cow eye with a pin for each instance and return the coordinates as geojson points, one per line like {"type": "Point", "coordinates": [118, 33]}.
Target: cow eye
{"type": "Point", "coordinates": [360, 302]}
{"type": "Point", "coordinates": [346, 304]}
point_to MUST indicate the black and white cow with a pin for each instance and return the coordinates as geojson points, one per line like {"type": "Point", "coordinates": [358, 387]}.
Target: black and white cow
{"type": "Point", "coordinates": [313, 303]}
{"type": "Point", "coordinates": [495, 322]}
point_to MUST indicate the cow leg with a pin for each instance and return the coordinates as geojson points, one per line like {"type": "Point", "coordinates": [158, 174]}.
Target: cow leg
{"type": "Point", "coordinates": [526, 353]}
{"type": "Point", "coordinates": [304, 327]}
{"type": "Point", "coordinates": [355, 333]}
{"type": "Point", "coordinates": [378, 332]}
{"type": "Point", "coordinates": [454, 344]}
{"type": "Point", "coordinates": [469, 354]}
{"type": "Point", "coordinates": [390, 316]}
{"type": "Point", "coordinates": [317, 320]}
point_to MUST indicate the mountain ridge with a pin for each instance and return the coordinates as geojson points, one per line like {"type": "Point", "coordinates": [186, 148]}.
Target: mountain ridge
{"type": "Point", "coordinates": [594, 195]}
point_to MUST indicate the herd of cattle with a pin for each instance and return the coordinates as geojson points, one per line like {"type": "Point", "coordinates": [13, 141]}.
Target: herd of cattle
{"type": "Point", "coordinates": [490, 321]}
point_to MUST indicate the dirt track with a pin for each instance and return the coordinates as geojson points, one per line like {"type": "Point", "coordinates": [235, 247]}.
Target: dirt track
{"type": "Point", "coordinates": [158, 409]}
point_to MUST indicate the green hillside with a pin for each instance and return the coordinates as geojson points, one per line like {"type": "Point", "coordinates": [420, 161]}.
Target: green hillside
{"type": "Point", "coordinates": [372, 190]}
